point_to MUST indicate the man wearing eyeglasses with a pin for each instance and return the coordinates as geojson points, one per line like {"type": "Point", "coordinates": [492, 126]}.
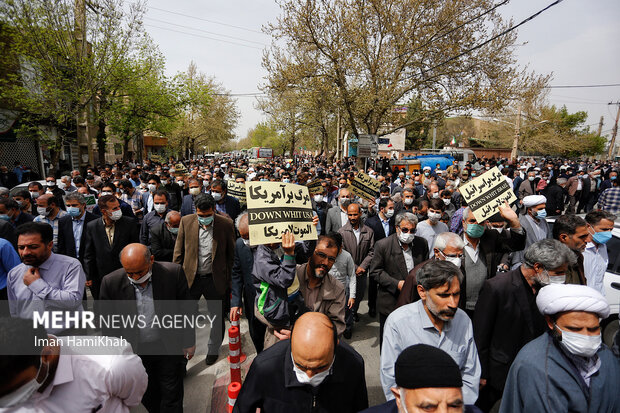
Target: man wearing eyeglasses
{"type": "Point", "coordinates": [394, 257]}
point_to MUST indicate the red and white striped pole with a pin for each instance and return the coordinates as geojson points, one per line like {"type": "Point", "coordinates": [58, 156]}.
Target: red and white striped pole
{"type": "Point", "coordinates": [234, 351]}
{"type": "Point", "coordinates": [233, 392]}
{"type": "Point", "coordinates": [235, 323]}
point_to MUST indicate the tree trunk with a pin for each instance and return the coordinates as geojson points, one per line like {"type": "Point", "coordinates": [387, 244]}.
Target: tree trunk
{"type": "Point", "coordinates": [101, 141]}
{"type": "Point", "coordinates": [140, 146]}
{"type": "Point", "coordinates": [126, 139]}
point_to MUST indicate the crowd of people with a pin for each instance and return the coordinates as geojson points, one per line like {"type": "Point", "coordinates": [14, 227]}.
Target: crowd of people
{"type": "Point", "coordinates": [473, 316]}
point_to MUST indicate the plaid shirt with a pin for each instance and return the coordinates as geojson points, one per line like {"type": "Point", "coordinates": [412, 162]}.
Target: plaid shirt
{"type": "Point", "coordinates": [610, 200]}
{"type": "Point", "coordinates": [53, 223]}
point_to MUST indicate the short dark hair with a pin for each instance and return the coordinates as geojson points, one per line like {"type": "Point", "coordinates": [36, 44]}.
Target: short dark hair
{"type": "Point", "coordinates": [219, 184]}
{"type": "Point", "coordinates": [9, 203]}
{"type": "Point", "coordinates": [79, 180]}
{"type": "Point", "coordinates": [161, 192]}
{"type": "Point", "coordinates": [333, 240]}
{"type": "Point", "coordinates": [153, 177]}
{"type": "Point", "coordinates": [20, 346]}
{"type": "Point", "coordinates": [420, 202]}
{"type": "Point", "coordinates": [125, 183]}
{"type": "Point", "coordinates": [103, 201]}
{"type": "Point", "coordinates": [594, 217]}
{"type": "Point", "coordinates": [23, 193]}
{"type": "Point", "coordinates": [437, 204]}
{"type": "Point", "coordinates": [436, 273]}
{"type": "Point", "coordinates": [35, 183]}
{"type": "Point", "coordinates": [383, 203]}
{"type": "Point", "coordinates": [109, 184]}
{"type": "Point", "coordinates": [567, 224]}
{"type": "Point", "coordinates": [43, 229]}
{"type": "Point", "coordinates": [204, 202]}
{"type": "Point", "coordinates": [384, 188]}
{"type": "Point", "coordinates": [240, 176]}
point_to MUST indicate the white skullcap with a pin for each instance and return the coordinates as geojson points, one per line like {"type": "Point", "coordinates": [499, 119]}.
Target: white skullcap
{"type": "Point", "coordinates": [426, 167]}
{"type": "Point", "coordinates": [533, 200]}
{"type": "Point", "coordinates": [558, 298]}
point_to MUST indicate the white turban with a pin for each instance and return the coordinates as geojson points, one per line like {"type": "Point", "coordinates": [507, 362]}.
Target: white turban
{"type": "Point", "coordinates": [558, 298]}
{"type": "Point", "coordinates": [533, 200]}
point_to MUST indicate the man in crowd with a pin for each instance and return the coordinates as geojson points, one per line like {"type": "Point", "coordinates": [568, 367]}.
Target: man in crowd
{"type": "Point", "coordinates": [205, 248]}
{"type": "Point", "coordinates": [359, 241]}
{"type": "Point", "coordinates": [72, 227]}
{"type": "Point", "coordinates": [156, 217]}
{"type": "Point", "coordinates": [534, 224]}
{"type": "Point", "coordinates": [163, 237]}
{"type": "Point", "coordinates": [243, 292]}
{"type": "Point", "coordinates": [320, 373]}
{"type": "Point", "coordinates": [39, 377]}
{"type": "Point", "coordinates": [595, 256]}
{"type": "Point", "coordinates": [162, 350]}
{"type": "Point", "coordinates": [609, 199]}
{"type": "Point", "coordinates": [572, 231]}
{"type": "Point", "coordinates": [431, 227]}
{"type": "Point", "coordinates": [43, 275]}
{"type": "Point", "coordinates": [52, 188]}
{"type": "Point", "coordinates": [393, 258]}
{"type": "Point", "coordinates": [224, 204]}
{"type": "Point", "coordinates": [383, 225]}
{"type": "Point", "coordinates": [568, 368]}
{"type": "Point", "coordinates": [484, 248]}
{"type": "Point", "coordinates": [105, 239]}
{"type": "Point", "coordinates": [448, 247]}
{"type": "Point", "coordinates": [338, 217]}
{"type": "Point", "coordinates": [10, 212]}
{"type": "Point", "coordinates": [427, 379]}
{"type": "Point", "coordinates": [49, 212]}
{"type": "Point", "coordinates": [575, 186]}
{"type": "Point", "coordinates": [506, 317]}
{"type": "Point", "coordinates": [188, 206]}
{"type": "Point", "coordinates": [26, 201]}
{"type": "Point", "coordinates": [435, 320]}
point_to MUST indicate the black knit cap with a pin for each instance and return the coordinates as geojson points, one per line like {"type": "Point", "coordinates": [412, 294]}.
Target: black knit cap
{"type": "Point", "coordinates": [424, 366]}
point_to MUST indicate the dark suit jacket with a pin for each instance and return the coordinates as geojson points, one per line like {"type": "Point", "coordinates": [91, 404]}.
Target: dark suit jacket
{"type": "Point", "coordinates": [242, 273]}
{"type": "Point", "coordinates": [169, 283]}
{"type": "Point", "coordinates": [22, 219]}
{"type": "Point", "coordinates": [232, 207]}
{"type": "Point", "coordinates": [493, 245]}
{"type": "Point", "coordinates": [66, 241]}
{"type": "Point", "coordinates": [101, 258]}
{"type": "Point", "coordinates": [223, 250]}
{"type": "Point", "coordinates": [8, 233]}
{"type": "Point", "coordinates": [162, 243]}
{"type": "Point", "coordinates": [503, 324]}
{"type": "Point", "coordinates": [361, 251]}
{"type": "Point", "coordinates": [187, 206]}
{"type": "Point", "coordinates": [388, 268]}
{"type": "Point", "coordinates": [374, 222]}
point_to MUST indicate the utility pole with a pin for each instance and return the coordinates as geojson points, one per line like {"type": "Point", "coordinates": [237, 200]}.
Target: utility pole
{"type": "Point", "coordinates": [600, 127]}
{"type": "Point", "coordinates": [85, 148]}
{"type": "Point", "coordinates": [612, 144]}
{"type": "Point", "coordinates": [515, 142]}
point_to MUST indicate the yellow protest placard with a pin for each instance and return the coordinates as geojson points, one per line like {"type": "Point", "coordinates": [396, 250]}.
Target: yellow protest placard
{"type": "Point", "coordinates": [365, 186]}
{"type": "Point", "coordinates": [275, 207]}
{"type": "Point", "coordinates": [315, 187]}
{"type": "Point", "coordinates": [236, 190]}
{"type": "Point", "coordinates": [486, 193]}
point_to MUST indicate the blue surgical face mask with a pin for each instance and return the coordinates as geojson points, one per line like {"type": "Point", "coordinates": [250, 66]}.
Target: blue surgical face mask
{"type": "Point", "coordinates": [601, 237]}
{"type": "Point", "coordinates": [73, 211]}
{"type": "Point", "coordinates": [5, 217]}
{"type": "Point", "coordinates": [205, 220]}
{"type": "Point", "coordinates": [474, 230]}
{"type": "Point", "coordinates": [542, 214]}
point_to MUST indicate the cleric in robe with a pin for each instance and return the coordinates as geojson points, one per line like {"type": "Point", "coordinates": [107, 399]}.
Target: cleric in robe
{"type": "Point", "coordinates": [567, 369]}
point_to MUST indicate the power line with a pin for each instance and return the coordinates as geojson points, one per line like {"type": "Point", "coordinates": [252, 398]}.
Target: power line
{"type": "Point", "coordinates": [581, 86]}
{"type": "Point", "coordinates": [205, 31]}
{"type": "Point", "coordinates": [204, 37]}
{"type": "Point", "coordinates": [510, 29]}
{"type": "Point", "coordinates": [207, 20]}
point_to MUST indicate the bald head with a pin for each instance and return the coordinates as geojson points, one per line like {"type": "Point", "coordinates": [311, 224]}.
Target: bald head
{"type": "Point", "coordinates": [313, 343]}
{"type": "Point", "coordinates": [173, 219]}
{"type": "Point", "coordinates": [243, 226]}
{"type": "Point", "coordinates": [136, 259]}
{"type": "Point", "coordinates": [44, 200]}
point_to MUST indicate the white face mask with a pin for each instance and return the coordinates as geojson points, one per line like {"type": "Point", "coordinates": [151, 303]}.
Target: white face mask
{"type": "Point", "coordinates": [408, 201]}
{"type": "Point", "coordinates": [152, 187]}
{"type": "Point", "coordinates": [389, 213]}
{"type": "Point", "coordinates": [160, 208]}
{"type": "Point", "coordinates": [181, 183]}
{"type": "Point", "coordinates": [454, 260]}
{"type": "Point", "coordinates": [217, 196]}
{"type": "Point", "coordinates": [43, 211]}
{"type": "Point", "coordinates": [446, 201]}
{"type": "Point", "coordinates": [405, 238]}
{"type": "Point", "coordinates": [34, 195]}
{"type": "Point", "coordinates": [142, 279]}
{"type": "Point", "coordinates": [315, 380]}
{"type": "Point", "coordinates": [434, 216]}
{"type": "Point", "coordinates": [194, 191]}
{"type": "Point", "coordinates": [26, 391]}
{"type": "Point", "coordinates": [557, 279]}
{"type": "Point", "coordinates": [106, 193]}
{"type": "Point", "coordinates": [580, 344]}
{"type": "Point", "coordinates": [435, 195]}
{"type": "Point", "coordinates": [318, 198]}
{"type": "Point", "coordinates": [116, 215]}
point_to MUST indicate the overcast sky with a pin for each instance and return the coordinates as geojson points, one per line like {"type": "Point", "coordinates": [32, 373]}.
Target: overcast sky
{"type": "Point", "coordinates": [575, 40]}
